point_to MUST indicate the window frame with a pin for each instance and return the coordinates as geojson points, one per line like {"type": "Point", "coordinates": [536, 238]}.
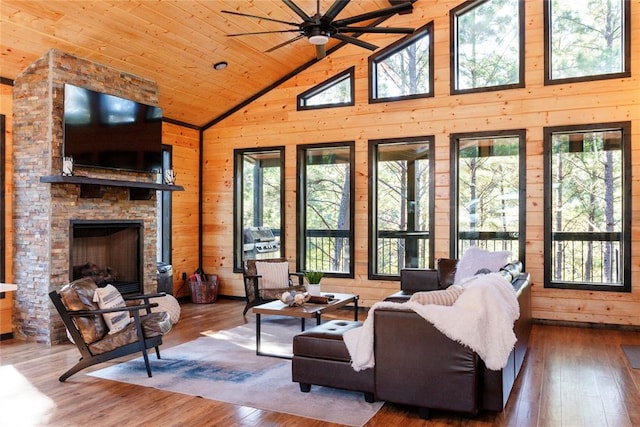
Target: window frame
{"type": "Point", "coordinates": [325, 85]}
{"type": "Point", "coordinates": [238, 205]}
{"type": "Point", "coordinates": [626, 44]}
{"type": "Point", "coordinates": [548, 132]}
{"type": "Point", "coordinates": [454, 14]}
{"type": "Point", "coordinates": [522, 186]}
{"type": "Point", "coordinates": [301, 197]}
{"type": "Point", "coordinates": [393, 49]}
{"type": "Point", "coordinates": [373, 208]}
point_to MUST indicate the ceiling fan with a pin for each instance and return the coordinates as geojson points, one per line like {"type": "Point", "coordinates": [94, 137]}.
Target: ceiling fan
{"type": "Point", "coordinates": [319, 28]}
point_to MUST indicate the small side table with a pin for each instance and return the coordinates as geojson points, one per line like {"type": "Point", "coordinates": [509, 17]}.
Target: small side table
{"type": "Point", "coordinates": [6, 310]}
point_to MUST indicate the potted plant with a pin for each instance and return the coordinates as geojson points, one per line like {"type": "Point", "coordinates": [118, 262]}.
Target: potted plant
{"type": "Point", "coordinates": [313, 282]}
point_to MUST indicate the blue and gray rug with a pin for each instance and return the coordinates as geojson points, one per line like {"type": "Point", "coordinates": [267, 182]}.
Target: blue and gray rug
{"type": "Point", "coordinates": [224, 367]}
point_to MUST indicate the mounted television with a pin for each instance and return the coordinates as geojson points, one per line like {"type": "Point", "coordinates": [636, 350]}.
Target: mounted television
{"type": "Point", "coordinates": [106, 131]}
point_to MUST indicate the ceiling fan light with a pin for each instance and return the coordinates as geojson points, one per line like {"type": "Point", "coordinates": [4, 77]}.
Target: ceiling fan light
{"type": "Point", "coordinates": [318, 39]}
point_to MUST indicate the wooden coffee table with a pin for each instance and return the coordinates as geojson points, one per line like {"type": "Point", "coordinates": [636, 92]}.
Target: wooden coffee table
{"type": "Point", "coordinates": [306, 311]}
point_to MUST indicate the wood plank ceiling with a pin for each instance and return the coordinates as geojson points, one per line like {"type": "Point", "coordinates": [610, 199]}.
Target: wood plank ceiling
{"type": "Point", "coordinates": [174, 43]}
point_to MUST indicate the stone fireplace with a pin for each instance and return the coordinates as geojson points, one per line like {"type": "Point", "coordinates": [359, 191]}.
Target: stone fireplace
{"type": "Point", "coordinates": [45, 210]}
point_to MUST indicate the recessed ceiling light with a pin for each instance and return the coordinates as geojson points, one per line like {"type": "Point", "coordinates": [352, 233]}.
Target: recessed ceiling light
{"type": "Point", "coordinates": [220, 65]}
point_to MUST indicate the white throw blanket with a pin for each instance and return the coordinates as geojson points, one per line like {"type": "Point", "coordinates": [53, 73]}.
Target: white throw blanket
{"type": "Point", "coordinates": [482, 318]}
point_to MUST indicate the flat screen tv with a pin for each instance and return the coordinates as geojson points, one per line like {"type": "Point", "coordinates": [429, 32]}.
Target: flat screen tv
{"type": "Point", "coordinates": [106, 131]}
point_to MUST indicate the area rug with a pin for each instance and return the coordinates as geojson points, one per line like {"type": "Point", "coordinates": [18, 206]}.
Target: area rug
{"type": "Point", "coordinates": [224, 367]}
{"type": "Point", "coordinates": [633, 355]}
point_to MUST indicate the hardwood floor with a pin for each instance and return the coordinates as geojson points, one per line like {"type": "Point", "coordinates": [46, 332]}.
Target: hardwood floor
{"type": "Point", "coordinates": [572, 377]}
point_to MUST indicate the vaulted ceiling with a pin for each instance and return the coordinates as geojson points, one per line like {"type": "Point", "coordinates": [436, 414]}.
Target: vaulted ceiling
{"type": "Point", "coordinates": [174, 43]}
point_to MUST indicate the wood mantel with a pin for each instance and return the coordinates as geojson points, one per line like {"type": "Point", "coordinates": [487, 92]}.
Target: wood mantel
{"type": "Point", "coordinates": [95, 187]}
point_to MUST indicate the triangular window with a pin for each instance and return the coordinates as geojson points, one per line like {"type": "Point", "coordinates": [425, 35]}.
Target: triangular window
{"type": "Point", "coordinates": [338, 91]}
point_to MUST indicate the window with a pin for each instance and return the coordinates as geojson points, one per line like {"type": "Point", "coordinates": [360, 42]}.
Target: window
{"type": "Point", "coordinates": [335, 92]}
{"type": "Point", "coordinates": [588, 207]}
{"type": "Point", "coordinates": [258, 199]}
{"type": "Point", "coordinates": [488, 194]}
{"type": "Point", "coordinates": [488, 45]}
{"type": "Point", "coordinates": [586, 40]}
{"type": "Point", "coordinates": [400, 205]}
{"type": "Point", "coordinates": [325, 208]}
{"type": "Point", "coordinates": [163, 199]}
{"type": "Point", "coordinates": [403, 70]}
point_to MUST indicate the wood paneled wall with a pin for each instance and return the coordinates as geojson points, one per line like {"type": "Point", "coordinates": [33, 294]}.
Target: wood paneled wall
{"type": "Point", "coordinates": [6, 108]}
{"type": "Point", "coordinates": [185, 204]}
{"type": "Point", "coordinates": [273, 120]}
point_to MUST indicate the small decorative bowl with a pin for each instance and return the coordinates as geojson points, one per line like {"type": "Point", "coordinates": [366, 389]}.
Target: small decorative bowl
{"type": "Point", "coordinates": [294, 299]}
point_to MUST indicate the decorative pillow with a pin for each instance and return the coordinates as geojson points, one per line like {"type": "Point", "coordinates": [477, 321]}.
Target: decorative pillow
{"type": "Point", "coordinates": [443, 297]}
{"type": "Point", "coordinates": [475, 259]}
{"type": "Point", "coordinates": [166, 303]}
{"type": "Point", "coordinates": [274, 274]}
{"type": "Point", "coordinates": [109, 297]}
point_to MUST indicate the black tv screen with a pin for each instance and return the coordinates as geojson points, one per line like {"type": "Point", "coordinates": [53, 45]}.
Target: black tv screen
{"type": "Point", "coordinates": [107, 131]}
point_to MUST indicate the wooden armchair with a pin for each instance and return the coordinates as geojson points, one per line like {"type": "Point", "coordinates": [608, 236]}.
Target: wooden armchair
{"type": "Point", "coordinates": [84, 321]}
{"type": "Point", "coordinates": [263, 284]}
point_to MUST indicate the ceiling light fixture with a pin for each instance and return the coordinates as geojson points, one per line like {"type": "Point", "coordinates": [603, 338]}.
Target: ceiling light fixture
{"type": "Point", "coordinates": [318, 39]}
{"type": "Point", "coordinates": [220, 65]}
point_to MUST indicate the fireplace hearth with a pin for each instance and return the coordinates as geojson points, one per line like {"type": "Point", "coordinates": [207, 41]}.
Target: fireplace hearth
{"type": "Point", "coordinates": [107, 251]}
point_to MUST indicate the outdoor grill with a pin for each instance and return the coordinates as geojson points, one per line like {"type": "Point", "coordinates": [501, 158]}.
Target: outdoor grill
{"type": "Point", "coordinates": [260, 243]}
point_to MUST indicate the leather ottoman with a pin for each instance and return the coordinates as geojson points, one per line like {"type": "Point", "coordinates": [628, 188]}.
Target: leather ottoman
{"type": "Point", "coordinates": [320, 357]}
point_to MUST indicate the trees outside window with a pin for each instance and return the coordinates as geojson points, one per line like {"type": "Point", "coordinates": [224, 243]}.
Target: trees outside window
{"type": "Point", "coordinates": [488, 192]}
{"type": "Point", "coordinates": [163, 209]}
{"type": "Point", "coordinates": [258, 200]}
{"type": "Point", "coordinates": [587, 207]}
{"type": "Point", "coordinates": [404, 69]}
{"type": "Point", "coordinates": [400, 205]}
{"type": "Point", "coordinates": [586, 40]}
{"type": "Point", "coordinates": [325, 208]}
{"type": "Point", "coordinates": [488, 45]}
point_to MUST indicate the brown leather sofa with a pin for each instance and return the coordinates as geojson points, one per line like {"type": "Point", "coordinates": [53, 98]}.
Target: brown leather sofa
{"type": "Point", "coordinates": [418, 365]}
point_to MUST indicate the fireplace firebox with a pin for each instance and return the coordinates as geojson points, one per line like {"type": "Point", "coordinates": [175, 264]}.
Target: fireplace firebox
{"type": "Point", "coordinates": [108, 251]}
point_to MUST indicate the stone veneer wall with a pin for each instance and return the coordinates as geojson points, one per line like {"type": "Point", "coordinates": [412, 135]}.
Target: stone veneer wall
{"type": "Point", "coordinates": [42, 211]}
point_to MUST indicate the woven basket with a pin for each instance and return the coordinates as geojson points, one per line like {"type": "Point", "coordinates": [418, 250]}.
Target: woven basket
{"type": "Point", "coordinates": [204, 292]}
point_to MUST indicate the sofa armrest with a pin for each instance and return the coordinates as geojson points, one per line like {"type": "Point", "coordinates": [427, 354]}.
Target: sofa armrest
{"type": "Point", "coordinates": [418, 365]}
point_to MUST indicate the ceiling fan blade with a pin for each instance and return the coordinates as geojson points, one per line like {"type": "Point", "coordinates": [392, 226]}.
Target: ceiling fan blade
{"type": "Point", "coordinates": [385, 30]}
{"type": "Point", "coordinates": [297, 10]}
{"type": "Point", "coordinates": [285, 43]}
{"type": "Point", "coordinates": [262, 32]}
{"type": "Point", "coordinates": [335, 9]}
{"type": "Point", "coordinates": [259, 17]}
{"type": "Point", "coordinates": [321, 51]}
{"type": "Point", "coordinates": [353, 40]}
{"type": "Point", "coordinates": [387, 11]}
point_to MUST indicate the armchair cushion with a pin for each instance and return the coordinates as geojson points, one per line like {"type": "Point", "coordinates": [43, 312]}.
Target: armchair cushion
{"type": "Point", "coordinates": [78, 295]}
{"type": "Point", "coordinates": [275, 275]}
{"type": "Point", "coordinates": [109, 297]}
{"type": "Point", "coordinates": [154, 324]}
{"type": "Point", "coordinates": [475, 259]}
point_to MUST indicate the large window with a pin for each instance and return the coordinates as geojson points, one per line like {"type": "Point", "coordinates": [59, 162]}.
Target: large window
{"type": "Point", "coordinates": [488, 192]}
{"type": "Point", "coordinates": [400, 205]}
{"type": "Point", "coordinates": [163, 199]}
{"type": "Point", "coordinates": [258, 204]}
{"type": "Point", "coordinates": [403, 70]}
{"type": "Point", "coordinates": [588, 207]}
{"type": "Point", "coordinates": [587, 40]}
{"type": "Point", "coordinates": [488, 45]}
{"type": "Point", "coordinates": [325, 208]}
